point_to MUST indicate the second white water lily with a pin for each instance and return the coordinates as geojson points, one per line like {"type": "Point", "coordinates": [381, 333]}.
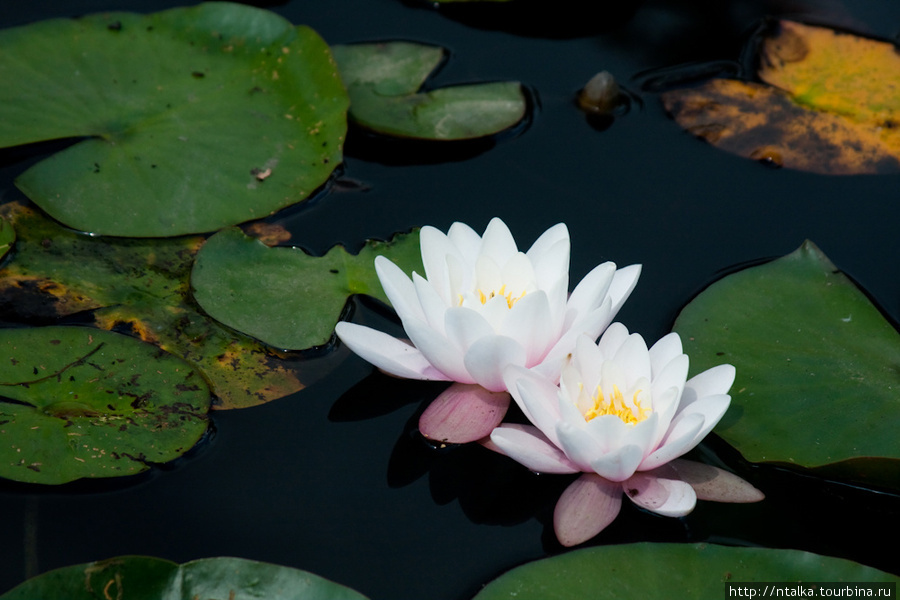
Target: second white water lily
{"type": "Point", "coordinates": [621, 415]}
{"type": "Point", "coordinates": [483, 305]}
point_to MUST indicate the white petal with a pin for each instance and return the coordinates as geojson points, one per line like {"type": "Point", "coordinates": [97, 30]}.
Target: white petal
{"type": "Point", "coordinates": [387, 353]}
{"type": "Point", "coordinates": [588, 360]}
{"type": "Point", "coordinates": [528, 322]}
{"type": "Point", "coordinates": [682, 436]}
{"type": "Point", "coordinates": [581, 447]}
{"type": "Point", "coordinates": [590, 292]}
{"type": "Point", "coordinates": [550, 238]}
{"type": "Point", "coordinates": [716, 380]}
{"type": "Point", "coordinates": [537, 397]}
{"type": "Point", "coordinates": [552, 266]}
{"type": "Point", "coordinates": [664, 351]}
{"type": "Point", "coordinates": [620, 464]}
{"type": "Point", "coordinates": [622, 285]}
{"type": "Point", "coordinates": [488, 357]}
{"type": "Point", "coordinates": [497, 242]}
{"type": "Point", "coordinates": [612, 339]}
{"type": "Point", "coordinates": [666, 497]}
{"type": "Point", "coordinates": [436, 248]}
{"type": "Point", "coordinates": [467, 242]}
{"type": "Point", "coordinates": [585, 508]}
{"type": "Point", "coordinates": [398, 288]}
{"type": "Point", "coordinates": [432, 305]}
{"type": "Point", "coordinates": [634, 358]}
{"type": "Point", "coordinates": [529, 447]}
{"type": "Point", "coordinates": [464, 327]}
{"type": "Point", "coordinates": [444, 356]}
{"type": "Point", "coordinates": [672, 375]}
{"type": "Point", "coordinates": [517, 275]}
{"type": "Point", "coordinates": [591, 326]}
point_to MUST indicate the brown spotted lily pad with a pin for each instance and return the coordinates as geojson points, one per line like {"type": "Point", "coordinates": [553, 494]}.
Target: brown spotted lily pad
{"type": "Point", "coordinates": [827, 102]}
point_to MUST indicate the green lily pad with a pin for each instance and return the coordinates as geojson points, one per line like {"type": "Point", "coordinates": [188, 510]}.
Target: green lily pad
{"type": "Point", "coordinates": [140, 285]}
{"type": "Point", "coordinates": [147, 578]}
{"type": "Point", "coordinates": [817, 380]}
{"type": "Point", "coordinates": [283, 296]}
{"type": "Point", "coordinates": [78, 402]}
{"type": "Point", "coordinates": [7, 237]}
{"type": "Point", "coordinates": [383, 80]}
{"type": "Point", "coordinates": [691, 571]}
{"type": "Point", "coordinates": [196, 118]}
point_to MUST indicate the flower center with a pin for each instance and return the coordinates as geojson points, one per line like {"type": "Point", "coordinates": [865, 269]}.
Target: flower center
{"type": "Point", "coordinates": [615, 404]}
{"type": "Point", "coordinates": [510, 300]}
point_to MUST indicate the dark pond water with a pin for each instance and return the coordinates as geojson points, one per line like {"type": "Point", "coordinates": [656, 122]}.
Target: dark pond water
{"type": "Point", "coordinates": [333, 480]}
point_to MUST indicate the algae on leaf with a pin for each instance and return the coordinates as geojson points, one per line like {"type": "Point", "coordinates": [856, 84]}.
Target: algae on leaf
{"type": "Point", "coordinates": [817, 366]}
{"type": "Point", "coordinates": [194, 118]}
{"type": "Point", "coordinates": [139, 285]}
{"type": "Point", "coordinates": [80, 402]}
{"type": "Point", "coordinates": [283, 296]}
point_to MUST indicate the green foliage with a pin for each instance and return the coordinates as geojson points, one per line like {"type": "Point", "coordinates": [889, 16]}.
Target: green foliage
{"type": "Point", "coordinates": [816, 362]}
{"type": "Point", "coordinates": [383, 80]}
{"type": "Point", "coordinates": [80, 402]}
{"type": "Point", "coordinates": [147, 578]}
{"type": "Point", "coordinates": [283, 296]}
{"type": "Point", "coordinates": [194, 118]}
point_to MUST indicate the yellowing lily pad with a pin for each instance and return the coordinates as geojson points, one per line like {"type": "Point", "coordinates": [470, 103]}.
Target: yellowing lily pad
{"type": "Point", "coordinates": [195, 118]}
{"type": "Point", "coordinates": [383, 80]}
{"type": "Point", "coordinates": [78, 402]}
{"type": "Point", "coordinates": [141, 286]}
{"type": "Point", "coordinates": [817, 380]}
{"type": "Point", "coordinates": [283, 296]}
{"type": "Point", "coordinates": [651, 571]}
{"type": "Point", "coordinates": [829, 103]}
{"type": "Point", "coordinates": [7, 237]}
{"type": "Point", "coordinates": [147, 578]}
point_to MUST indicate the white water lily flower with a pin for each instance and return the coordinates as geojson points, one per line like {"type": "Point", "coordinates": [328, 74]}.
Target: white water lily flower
{"type": "Point", "coordinates": [483, 305]}
{"type": "Point", "coordinates": [621, 414]}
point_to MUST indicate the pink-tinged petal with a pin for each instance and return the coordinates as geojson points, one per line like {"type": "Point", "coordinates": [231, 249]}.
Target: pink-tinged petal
{"type": "Point", "coordinates": [590, 292]}
{"type": "Point", "coordinates": [622, 285]}
{"type": "Point", "coordinates": [463, 413]}
{"type": "Point", "coordinates": [717, 380]}
{"type": "Point", "coordinates": [664, 351]}
{"type": "Point", "coordinates": [497, 242]}
{"type": "Point", "coordinates": [585, 508]}
{"type": "Point", "coordinates": [528, 322]}
{"type": "Point", "coordinates": [612, 339]}
{"type": "Point", "coordinates": [709, 482]}
{"type": "Point", "coordinates": [547, 240]}
{"type": "Point", "coordinates": [387, 353]}
{"type": "Point", "coordinates": [398, 288]}
{"type": "Point", "coordinates": [682, 437]}
{"type": "Point", "coordinates": [529, 447]}
{"type": "Point", "coordinates": [433, 306]}
{"type": "Point", "coordinates": [666, 497]}
{"type": "Point", "coordinates": [443, 355]}
{"type": "Point", "coordinates": [537, 397]}
{"type": "Point", "coordinates": [488, 357]}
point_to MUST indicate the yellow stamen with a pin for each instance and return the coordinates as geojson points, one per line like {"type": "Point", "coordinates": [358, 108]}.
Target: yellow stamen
{"type": "Point", "coordinates": [615, 405]}
{"type": "Point", "coordinates": [510, 301]}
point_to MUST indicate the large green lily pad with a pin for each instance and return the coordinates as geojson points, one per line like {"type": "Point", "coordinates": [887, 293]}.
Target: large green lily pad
{"type": "Point", "coordinates": [142, 286]}
{"type": "Point", "coordinates": [383, 80]}
{"type": "Point", "coordinates": [147, 578]}
{"type": "Point", "coordinates": [817, 364]}
{"type": "Point", "coordinates": [652, 571]}
{"type": "Point", "coordinates": [284, 296]}
{"type": "Point", "coordinates": [79, 402]}
{"type": "Point", "coordinates": [195, 118]}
